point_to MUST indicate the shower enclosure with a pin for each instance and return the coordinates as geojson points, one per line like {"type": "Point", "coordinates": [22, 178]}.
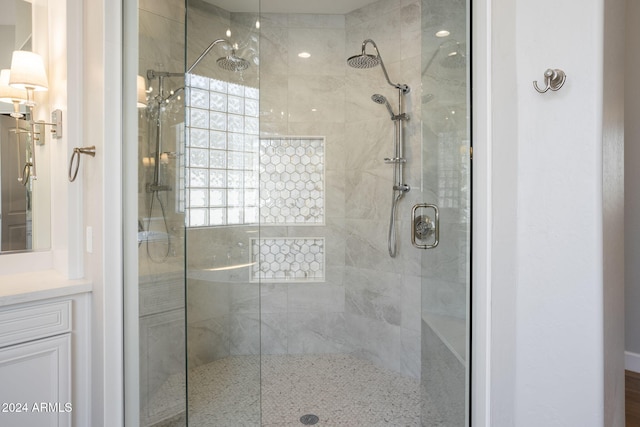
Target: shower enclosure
{"type": "Point", "coordinates": [276, 282]}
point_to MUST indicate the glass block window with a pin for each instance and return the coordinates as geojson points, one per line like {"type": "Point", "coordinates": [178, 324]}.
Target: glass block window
{"type": "Point", "coordinates": [292, 181]}
{"type": "Point", "coordinates": [288, 259]}
{"type": "Point", "coordinates": [221, 153]}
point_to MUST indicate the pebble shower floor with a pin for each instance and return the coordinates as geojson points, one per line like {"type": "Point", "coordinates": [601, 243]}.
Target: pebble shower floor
{"type": "Point", "coordinates": [340, 389]}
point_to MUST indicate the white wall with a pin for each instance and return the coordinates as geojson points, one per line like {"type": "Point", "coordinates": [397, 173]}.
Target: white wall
{"type": "Point", "coordinates": [101, 182]}
{"type": "Point", "coordinates": [546, 280]}
{"type": "Point", "coordinates": [632, 189]}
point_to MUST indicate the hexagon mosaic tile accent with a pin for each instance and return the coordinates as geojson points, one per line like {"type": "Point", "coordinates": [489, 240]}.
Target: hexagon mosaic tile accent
{"type": "Point", "coordinates": [292, 181]}
{"type": "Point", "coordinates": [288, 259]}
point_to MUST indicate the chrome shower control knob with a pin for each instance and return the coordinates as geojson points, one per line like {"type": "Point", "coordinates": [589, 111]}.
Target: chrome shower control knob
{"type": "Point", "coordinates": [424, 227]}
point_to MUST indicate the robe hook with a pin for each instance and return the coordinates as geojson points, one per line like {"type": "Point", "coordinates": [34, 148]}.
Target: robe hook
{"type": "Point", "coordinates": [553, 79]}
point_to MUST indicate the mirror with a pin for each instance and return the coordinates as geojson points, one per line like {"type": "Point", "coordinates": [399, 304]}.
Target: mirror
{"type": "Point", "coordinates": [22, 228]}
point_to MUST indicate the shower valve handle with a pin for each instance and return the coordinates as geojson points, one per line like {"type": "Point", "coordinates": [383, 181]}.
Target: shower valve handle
{"type": "Point", "coordinates": [422, 226]}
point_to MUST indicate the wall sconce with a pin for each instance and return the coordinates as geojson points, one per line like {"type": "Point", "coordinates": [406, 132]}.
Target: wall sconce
{"type": "Point", "coordinates": [11, 95]}
{"type": "Point", "coordinates": [28, 75]}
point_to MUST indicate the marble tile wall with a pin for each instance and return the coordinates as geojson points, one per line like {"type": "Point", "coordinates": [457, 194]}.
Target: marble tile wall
{"type": "Point", "coordinates": [445, 129]}
{"type": "Point", "coordinates": [382, 293]}
{"type": "Point", "coordinates": [161, 249]}
{"type": "Point", "coordinates": [306, 97]}
{"type": "Point", "coordinates": [368, 303]}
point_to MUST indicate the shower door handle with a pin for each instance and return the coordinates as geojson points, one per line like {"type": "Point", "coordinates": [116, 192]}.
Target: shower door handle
{"type": "Point", "coordinates": [423, 227]}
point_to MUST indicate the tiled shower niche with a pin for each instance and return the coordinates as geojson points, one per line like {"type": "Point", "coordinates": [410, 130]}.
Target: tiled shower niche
{"type": "Point", "coordinates": [292, 181]}
{"type": "Point", "coordinates": [288, 259]}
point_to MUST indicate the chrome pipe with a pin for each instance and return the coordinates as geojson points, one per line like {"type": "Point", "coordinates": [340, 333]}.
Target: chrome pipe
{"type": "Point", "coordinates": [404, 88]}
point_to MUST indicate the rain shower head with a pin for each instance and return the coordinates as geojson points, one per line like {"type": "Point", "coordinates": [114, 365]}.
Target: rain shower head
{"type": "Point", "coordinates": [229, 63]}
{"type": "Point", "coordinates": [363, 61]}
{"type": "Point", "coordinates": [232, 62]}
{"type": "Point", "coordinates": [380, 99]}
{"type": "Point", "coordinates": [366, 60]}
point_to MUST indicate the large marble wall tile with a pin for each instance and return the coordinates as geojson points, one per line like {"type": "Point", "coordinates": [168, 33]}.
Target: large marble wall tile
{"type": "Point", "coordinates": [274, 52]}
{"type": "Point", "coordinates": [303, 20]}
{"type": "Point", "coordinates": [361, 84]}
{"type": "Point", "coordinates": [158, 31]}
{"type": "Point", "coordinates": [374, 295]}
{"type": "Point", "coordinates": [274, 104]}
{"type": "Point", "coordinates": [335, 198]}
{"type": "Point", "coordinates": [378, 342]}
{"type": "Point", "coordinates": [372, 305]}
{"type": "Point", "coordinates": [173, 9]}
{"type": "Point", "coordinates": [163, 291]}
{"type": "Point", "coordinates": [445, 297]}
{"type": "Point", "coordinates": [316, 298]}
{"type": "Point", "coordinates": [371, 11]}
{"type": "Point", "coordinates": [326, 47]}
{"type": "Point", "coordinates": [245, 298]}
{"type": "Point", "coordinates": [325, 94]}
{"type": "Point", "coordinates": [410, 357]}
{"type": "Point", "coordinates": [273, 298]}
{"type": "Point", "coordinates": [208, 340]}
{"type": "Point", "coordinates": [245, 334]}
{"type": "Point", "coordinates": [369, 193]}
{"type": "Point", "coordinates": [318, 333]}
{"type": "Point", "coordinates": [274, 333]}
{"type": "Point", "coordinates": [162, 365]}
{"type": "Point", "coordinates": [411, 32]}
{"type": "Point", "coordinates": [367, 246]}
{"type": "Point", "coordinates": [442, 383]}
{"type": "Point", "coordinates": [372, 142]}
{"type": "Point", "coordinates": [206, 300]}
{"type": "Point", "coordinates": [381, 282]}
{"type": "Point", "coordinates": [270, 20]}
{"type": "Point", "coordinates": [411, 302]}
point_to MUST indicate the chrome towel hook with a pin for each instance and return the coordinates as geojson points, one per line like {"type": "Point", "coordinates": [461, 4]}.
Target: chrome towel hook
{"type": "Point", "coordinates": [90, 151]}
{"type": "Point", "coordinates": [553, 79]}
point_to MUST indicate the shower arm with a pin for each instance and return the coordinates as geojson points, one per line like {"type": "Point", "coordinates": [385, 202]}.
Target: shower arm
{"type": "Point", "coordinates": [206, 51]}
{"type": "Point", "coordinates": [404, 88]}
{"type": "Point", "coordinates": [153, 74]}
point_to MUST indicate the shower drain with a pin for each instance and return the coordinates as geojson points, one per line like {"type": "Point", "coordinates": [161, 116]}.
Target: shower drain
{"type": "Point", "coordinates": [309, 419]}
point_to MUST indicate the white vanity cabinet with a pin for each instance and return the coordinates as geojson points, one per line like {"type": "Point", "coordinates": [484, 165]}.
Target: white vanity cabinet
{"type": "Point", "coordinates": [35, 365]}
{"type": "Point", "coordinates": [44, 366]}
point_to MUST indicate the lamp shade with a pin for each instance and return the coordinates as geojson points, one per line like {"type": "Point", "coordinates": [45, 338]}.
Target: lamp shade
{"type": "Point", "coordinates": [27, 71]}
{"type": "Point", "coordinates": [10, 94]}
{"type": "Point", "coordinates": [142, 92]}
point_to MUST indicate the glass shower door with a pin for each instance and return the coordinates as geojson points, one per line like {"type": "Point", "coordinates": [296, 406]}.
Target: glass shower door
{"type": "Point", "coordinates": [443, 220]}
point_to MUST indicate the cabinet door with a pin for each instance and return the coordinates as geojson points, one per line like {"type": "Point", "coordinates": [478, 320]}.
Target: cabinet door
{"type": "Point", "coordinates": [35, 383]}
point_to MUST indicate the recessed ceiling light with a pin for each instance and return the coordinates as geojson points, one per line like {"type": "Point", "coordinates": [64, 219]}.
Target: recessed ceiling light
{"type": "Point", "coordinates": [304, 55]}
{"type": "Point", "coordinates": [442, 33]}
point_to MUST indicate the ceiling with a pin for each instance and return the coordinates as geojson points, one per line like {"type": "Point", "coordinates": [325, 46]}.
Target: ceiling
{"type": "Point", "coordinates": [333, 7]}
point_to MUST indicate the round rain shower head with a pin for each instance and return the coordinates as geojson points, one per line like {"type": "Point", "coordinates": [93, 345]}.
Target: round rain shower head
{"type": "Point", "coordinates": [364, 60]}
{"type": "Point", "coordinates": [232, 63]}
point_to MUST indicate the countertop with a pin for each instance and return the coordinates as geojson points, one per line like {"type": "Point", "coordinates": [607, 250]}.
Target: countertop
{"type": "Point", "coordinates": [28, 287]}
